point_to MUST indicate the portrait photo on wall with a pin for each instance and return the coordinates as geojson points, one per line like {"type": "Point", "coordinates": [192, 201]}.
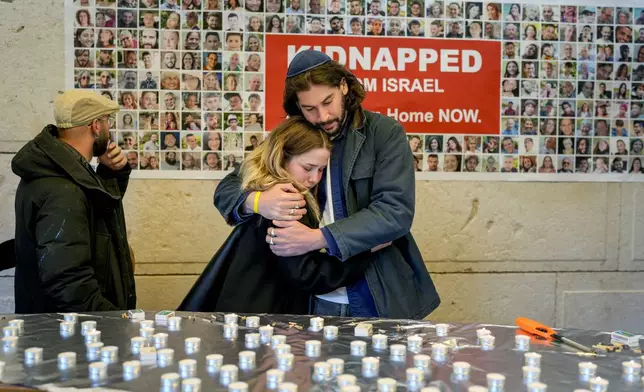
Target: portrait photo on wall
{"type": "Point", "coordinates": [190, 79]}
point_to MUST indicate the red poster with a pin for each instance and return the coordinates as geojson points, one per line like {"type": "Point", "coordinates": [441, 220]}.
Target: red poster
{"type": "Point", "coordinates": [429, 85]}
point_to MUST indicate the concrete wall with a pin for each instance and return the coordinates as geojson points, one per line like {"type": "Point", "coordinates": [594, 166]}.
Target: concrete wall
{"type": "Point", "coordinates": [567, 254]}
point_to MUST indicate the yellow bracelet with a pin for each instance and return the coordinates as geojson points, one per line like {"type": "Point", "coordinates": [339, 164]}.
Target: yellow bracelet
{"type": "Point", "coordinates": [256, 204]}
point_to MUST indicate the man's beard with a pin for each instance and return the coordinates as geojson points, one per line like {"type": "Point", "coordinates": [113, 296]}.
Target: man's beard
{"type": "Point", "coordinates": [339, 121]}
{"type": "Point", "coordinates": [100, 144]}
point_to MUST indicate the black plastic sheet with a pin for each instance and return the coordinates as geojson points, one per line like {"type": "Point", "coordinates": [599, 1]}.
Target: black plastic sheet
{"type": "Point", "coordinates": [559, 364]}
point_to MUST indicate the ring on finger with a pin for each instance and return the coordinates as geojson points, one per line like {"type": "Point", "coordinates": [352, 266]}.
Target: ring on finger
{"type": "Point", "coordinates": [292, 212]}
{"type": "Point", "coordinates": [272, 232]}
{"type": "Point", "coordinates": [271, 242]}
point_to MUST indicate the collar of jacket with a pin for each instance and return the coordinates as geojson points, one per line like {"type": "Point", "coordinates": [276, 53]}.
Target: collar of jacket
{"type": "Point", "coordinates": [78, 169]}
{"type": "Point", "coordinates": [358, 120]}
{"type": "Point", "coordinates": [357, 123]}
{"type": "Point", "coordinates": [354, 141]}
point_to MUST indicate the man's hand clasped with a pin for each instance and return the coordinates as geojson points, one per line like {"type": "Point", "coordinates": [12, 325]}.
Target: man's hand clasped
{"type": "Point", "coordinates": [285, 206]}
{"type": "Point", "coordinates": [292, 238]}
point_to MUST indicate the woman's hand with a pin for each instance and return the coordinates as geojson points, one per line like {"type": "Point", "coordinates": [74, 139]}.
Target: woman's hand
{"type": "Point", "coordinates": [281, 202]}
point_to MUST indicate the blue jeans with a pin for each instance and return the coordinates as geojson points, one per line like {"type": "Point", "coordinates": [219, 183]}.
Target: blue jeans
{"type": "Point", "coordinates": [322, 307]}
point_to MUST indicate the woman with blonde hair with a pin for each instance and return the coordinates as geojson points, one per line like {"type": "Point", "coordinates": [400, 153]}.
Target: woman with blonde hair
{"type": "Point", "coordinates": [128, 101]}
{"type": "Point", "coordinates": [245, 276]}
{"type": "Point", "coordinates": [212, 5]}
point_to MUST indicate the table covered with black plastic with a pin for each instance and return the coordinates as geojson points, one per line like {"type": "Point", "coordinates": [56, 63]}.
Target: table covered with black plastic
{"type": "Point", "coordinates": [450, 357]}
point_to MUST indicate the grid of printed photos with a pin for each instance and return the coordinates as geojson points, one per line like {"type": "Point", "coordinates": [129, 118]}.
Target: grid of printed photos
{"type": "Point", "coordinates": [189, 76]}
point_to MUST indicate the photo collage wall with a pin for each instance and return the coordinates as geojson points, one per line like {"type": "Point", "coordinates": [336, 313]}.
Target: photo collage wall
{"type": "Point", "coordinates": [189, 77]}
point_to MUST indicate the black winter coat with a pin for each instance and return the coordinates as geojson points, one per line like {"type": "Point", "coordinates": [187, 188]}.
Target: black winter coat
{"type": "Point", "coordinates": [72, 252]}
{"type": "Point", "coordinates": [245, 276]}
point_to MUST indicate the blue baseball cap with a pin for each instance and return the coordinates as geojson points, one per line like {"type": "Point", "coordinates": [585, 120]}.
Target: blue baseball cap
{"type": "Point", "coordinates": [306, 60]}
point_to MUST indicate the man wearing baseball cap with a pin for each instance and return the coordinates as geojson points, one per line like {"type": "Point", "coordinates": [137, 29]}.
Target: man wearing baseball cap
{"type": "Point", "coordinates": [71, 244]}
{"type": "Point", "coordinates": [367, 190]}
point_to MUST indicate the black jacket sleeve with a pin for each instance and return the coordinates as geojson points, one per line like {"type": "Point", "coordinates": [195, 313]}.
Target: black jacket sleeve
{"type": "Point", "coordinates": [318, 273]}
{"type": "Point", "coordinates": [122, 177]}
{"type": "Point", "coordinates": [64, 252]}
{"type": "Point", "coordinates": [229, 199]}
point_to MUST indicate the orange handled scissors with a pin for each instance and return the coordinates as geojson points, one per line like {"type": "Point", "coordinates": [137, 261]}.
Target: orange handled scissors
{"type": "Point", "coordinates": [536, 328]}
